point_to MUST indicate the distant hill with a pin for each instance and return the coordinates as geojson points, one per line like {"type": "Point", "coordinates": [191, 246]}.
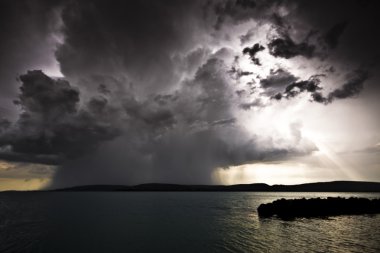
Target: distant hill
{"type": "Point", "coordinates": [334, 186]}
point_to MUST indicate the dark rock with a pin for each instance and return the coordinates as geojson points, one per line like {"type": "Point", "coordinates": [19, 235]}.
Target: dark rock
{"type": "Point", "coordinates": [317, 207]}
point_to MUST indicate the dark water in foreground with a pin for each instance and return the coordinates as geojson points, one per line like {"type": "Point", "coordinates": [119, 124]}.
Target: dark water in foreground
{"type": "Point", "coordinates": [173, 222]}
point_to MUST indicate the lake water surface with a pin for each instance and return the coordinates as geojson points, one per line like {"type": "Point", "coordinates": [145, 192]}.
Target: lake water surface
{"type": "Point", "coordinates": [174, 222]}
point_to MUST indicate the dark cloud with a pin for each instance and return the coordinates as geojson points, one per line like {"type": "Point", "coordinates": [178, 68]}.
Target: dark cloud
{"type": "Point", "coordinates": [156, 117]}
{"type": "Point", "coordinates": [352, 87]}
{"type": "Point", "coordinates": [30, 158]}
{"type": "Point", "coordinates": [331, 37]}
{"type": "Point", "coordinates": [42, 94]}
{"type": "Point", "coordinates": [312, 85]}
{"type": "Point", "coordinates": [252, 51]}
{"type": "Point", "coordinates": [355, 20]}
{"type": "Point", "coordinates": [103, 89]}
{"type": "Point", "coordinates": [136, 39]}
{"type": "Point", "coordinates": [278, 96]}
{"type": "Point", "coordinates": [165, 99]}
{"type": "Point", "coordinates": [51, 122]}
{"type": "Point", "coordinates": [287, 48]}
{"type": "Point", "coordinates": [277, 81]}
{"type": "Point", "coordinates": [288, 41]}
{"type": "Point", "coordinates": [278, 78]}
{"type": "Point", "coordinates": [235, 11]}
{"type": "Point", "coordinates": [246, 3]}
{"type": "Point", "coordinates": [318, 97]}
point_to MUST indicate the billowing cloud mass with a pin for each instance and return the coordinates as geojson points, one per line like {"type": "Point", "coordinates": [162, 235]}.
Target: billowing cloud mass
{"type": "Point", "coordinates": [171, 91]}
{"type": "Point", "coordinates": [51, 122]}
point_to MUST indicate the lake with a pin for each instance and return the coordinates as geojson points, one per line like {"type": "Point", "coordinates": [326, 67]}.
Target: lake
{"type": "Point", "coordinates": [174, 222]}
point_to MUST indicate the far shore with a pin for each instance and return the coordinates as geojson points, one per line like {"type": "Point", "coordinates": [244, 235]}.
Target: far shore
{"type": "Point", "coordinates": [334, 186]}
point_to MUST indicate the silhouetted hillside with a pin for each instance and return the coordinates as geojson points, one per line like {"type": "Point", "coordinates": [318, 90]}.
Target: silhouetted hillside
{"type": "Point", "coordinates": [335, 186]}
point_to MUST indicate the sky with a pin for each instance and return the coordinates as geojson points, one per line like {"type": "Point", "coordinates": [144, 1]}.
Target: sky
{"type": "Point", "coordinates": [188, 92]}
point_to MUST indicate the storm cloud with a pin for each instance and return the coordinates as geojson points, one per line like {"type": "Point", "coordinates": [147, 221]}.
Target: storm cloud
{"type": "Point", "coordinates": [169, 91]}
{"type": "Point", "coordinates": [180, 137]}
{"type": "Point", "coordinates": [51, 122]}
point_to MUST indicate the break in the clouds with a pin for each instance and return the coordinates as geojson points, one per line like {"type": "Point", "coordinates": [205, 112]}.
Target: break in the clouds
{"type": "Point", "coordinates": [172, 91]}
